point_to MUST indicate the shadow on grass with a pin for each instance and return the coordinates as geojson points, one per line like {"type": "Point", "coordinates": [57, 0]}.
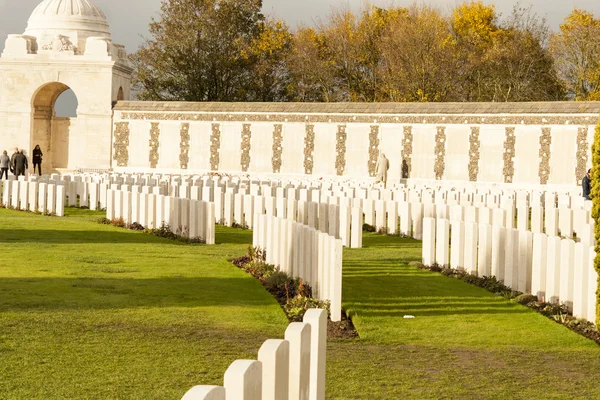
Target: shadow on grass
{"type": "Point", "coordinates": [125, 293]}
{"type": "Point", "coordinates": [15, 236]}
{"type": "Point", "coordinates": [388, 287]}
{"type": "Point", "coordinates": [225, 235]}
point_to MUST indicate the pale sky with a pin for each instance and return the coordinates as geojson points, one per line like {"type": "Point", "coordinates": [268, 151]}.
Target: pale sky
{"type": "Point", "coordinates": [129, 18]}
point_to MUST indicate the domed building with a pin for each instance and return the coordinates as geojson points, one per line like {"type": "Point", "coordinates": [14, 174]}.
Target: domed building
{"type": "Point", "coordinates": [67, 45]}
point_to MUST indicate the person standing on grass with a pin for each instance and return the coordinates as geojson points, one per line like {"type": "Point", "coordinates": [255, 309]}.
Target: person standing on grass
{"type": "Point", "coordinates": [12, 160]}
{"type": "Point", "coordinates": [382, 167]}
{"type": "Point", "coordinates": [4, 165]}
{"type": "Point", "coordinates": [586, 184]}
{"type": "Point", "coordinates": [36, 159]}
{"type": "Point", "coordinates": [20, 164]}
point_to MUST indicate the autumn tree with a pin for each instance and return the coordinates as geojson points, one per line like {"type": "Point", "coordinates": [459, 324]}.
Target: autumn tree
{"type": "Point", "coordinates": [266, 57]}
{"type": "Point", "coordinates": [417, 60]}
{"type": "Point", "coordinates": [312, 74]}
{"type": "Point", "coordinates": [576, 49]}
{"type": "Point", "coordinates": [206, 50]}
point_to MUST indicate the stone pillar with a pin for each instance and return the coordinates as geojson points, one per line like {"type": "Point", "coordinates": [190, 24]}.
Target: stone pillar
{"type": "Point", "coordinates": [484, 254]}
{"type": "Point", "coordinates": [539, 265]}
{"type": "Point", "coordinates": [369, 211]}
{"type": "Point", "coordinates": [317, 319]}
{"type": "Point", "coordinates": [23, 195]}
{"type": "Point", "coordinates": [60, 201]}
{"type": "Point", "coordinates": [333, 224]}
{"type": "Point", "coordinates": [205, 393]}
{"type": "Point", "coordinates": [228, 209]}
{"type": "Point", "coordinates": [51, 199]}
{"type": "Point", "coordinates": [428, 258]}
{"type": "Point", "coordinates": [392, 217]}
{"type": "Point", "coordinates": [551, 222]}
{"type": "Point", "coordinates": [442, 243]}
{"type": "Point", "coordinates": [380, 216]}
{"type": "Point", "coordinates": [417, 220]}
{"type": "Point", "coordinates": [243, 380]}
{"type": "Point", "coordinates": [336, 279]}
{"type": "Point", "coordinates": [42, 198]}
{"type": "Point", "coordinates": [275, 358]}
{"type": "Point", "coordinates": [110, 204]}
{"type": "Point", "coordinates": [210, 224]}
{"type": "Point", "coordinates": [345, 225]}
{"type": "Point", "coordinates": [580, 284]}
{"type": "Point", "coordinates": [592, 287]}
{"type": "Point", "coordinates": [484, 215]}
{"type": "Point", "coordinates": [299, 336]}
{"type": "Point", "coordinates": [565, 222]}
{"type": "Point", "coordinates": [498, 251]}
{"type": "Point", "coordinates": [356, 228]}
{"type": "Point", "coordinates": [471, 241]}
{"type": "Point", "coordinates": [457, 251]}
{"type": "Point", "coordinates": [567, 258]}
{"type": "Point", "coordinates": [405, 219]}
{"type": "Point", "coordinates": [553, 269]}
{"type": "Point", "coordinates": [525, 256]}
{"type": "Point", "coordinates": [313, 215]}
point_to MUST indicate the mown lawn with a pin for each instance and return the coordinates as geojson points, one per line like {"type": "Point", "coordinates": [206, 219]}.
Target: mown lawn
{"type": "Point", "coordinates": [464, 342]}
{"type": "Point", "coordinates": [89, 311]}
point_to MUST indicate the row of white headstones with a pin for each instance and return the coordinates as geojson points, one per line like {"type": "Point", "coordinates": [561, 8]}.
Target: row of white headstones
{"type": "Point", "coordinates": [282, 224]}
{"type": "Point", "coordinates": [288, 369]}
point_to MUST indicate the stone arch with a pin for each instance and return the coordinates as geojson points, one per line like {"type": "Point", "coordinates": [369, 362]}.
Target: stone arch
{"type": "Point", "coordinates": [49, 131]}
{"type": "Point", "coordinates": [120, 94]}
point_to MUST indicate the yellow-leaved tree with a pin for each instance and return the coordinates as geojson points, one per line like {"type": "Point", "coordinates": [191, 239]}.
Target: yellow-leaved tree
{"type": "Point", "coordinates": [576, 49]}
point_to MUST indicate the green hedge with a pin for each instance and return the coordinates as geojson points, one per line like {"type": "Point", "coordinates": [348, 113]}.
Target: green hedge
{"type": "Point", "coordinates": [596, 209]}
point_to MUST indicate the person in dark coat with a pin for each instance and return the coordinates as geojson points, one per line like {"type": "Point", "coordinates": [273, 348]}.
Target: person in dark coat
{"type": "Point", "coordinates": [586, 184]}
{"type": "Point", "coordinates": [4, 165]}
{"type": "Point", "coordinates": [36, 159]}
{"type": "Point", "coordinates": [12, 160]}
{"type": "Point", "coordinates": [20, 164]}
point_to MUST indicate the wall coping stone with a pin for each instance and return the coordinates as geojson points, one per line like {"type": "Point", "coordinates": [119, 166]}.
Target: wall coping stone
{"type": "Point", "coordinates": [553, 108]}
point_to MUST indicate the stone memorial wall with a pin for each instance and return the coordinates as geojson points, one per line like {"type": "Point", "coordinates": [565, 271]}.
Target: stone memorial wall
{"type": "Point", "coordinates": [522, 143]}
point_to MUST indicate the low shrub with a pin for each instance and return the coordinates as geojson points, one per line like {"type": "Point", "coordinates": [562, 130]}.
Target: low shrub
{"type": "Point", "coordinates": [296, 307]}
{"type": "Point", "coordinates": [525, 299]}
{"type": "Point", "coordinates": [369, 228]}
{"type": "Point", "coordinates": [294, 296]}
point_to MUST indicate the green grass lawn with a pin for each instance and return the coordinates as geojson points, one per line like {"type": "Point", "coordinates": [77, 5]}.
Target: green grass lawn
{"type": "Point", "coordinates": [89, 311]}
{"type": "Point", "coordinates": [464, 342]}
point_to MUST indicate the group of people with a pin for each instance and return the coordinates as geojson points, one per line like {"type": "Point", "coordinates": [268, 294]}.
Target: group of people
{"type": "Point", "coordinates": [18, 163]}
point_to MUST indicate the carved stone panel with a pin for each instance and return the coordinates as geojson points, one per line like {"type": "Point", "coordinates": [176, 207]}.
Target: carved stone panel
{"type": "Point", "coordinates": [440, 152]}
{"type": "Point", "coordinates": [545, 142]}
{"type": "Point", "coordinates": [245, 147]}
{"type": "Point", "coordinates": [184, 157]}
{"type": "Point", "coordinates": [121, 146]}
{"type": "Point", "coordinates": [474, 147]}
{"type": "Point", "coordinates": [215, 146]}
{"type": "Point", "coordinates": [309, 149]}
{"type": "Point", "coordinates": [277, 148]}
{"type": "Point", "coordinates": [154, 144]}
{"type": "Point", "coordinates": [340, 157]}
{"type": "Point", "coordinates": [509, 155]}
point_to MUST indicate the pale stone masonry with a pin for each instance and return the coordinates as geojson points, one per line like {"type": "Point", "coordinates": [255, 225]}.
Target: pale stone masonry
{"type": "Point", "coordinates": [522, 143]}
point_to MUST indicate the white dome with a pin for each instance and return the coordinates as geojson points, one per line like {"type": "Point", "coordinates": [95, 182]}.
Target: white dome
{"type": "Point", "coordinates": [73, 20]}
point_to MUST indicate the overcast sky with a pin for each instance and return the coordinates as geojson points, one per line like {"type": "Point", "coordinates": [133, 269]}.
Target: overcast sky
{"type": "Point", "coordinates": [129, 18]}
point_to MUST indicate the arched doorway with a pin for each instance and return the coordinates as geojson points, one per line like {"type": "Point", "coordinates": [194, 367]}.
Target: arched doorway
{"type": "Point", "coordinates": [51, 129]}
